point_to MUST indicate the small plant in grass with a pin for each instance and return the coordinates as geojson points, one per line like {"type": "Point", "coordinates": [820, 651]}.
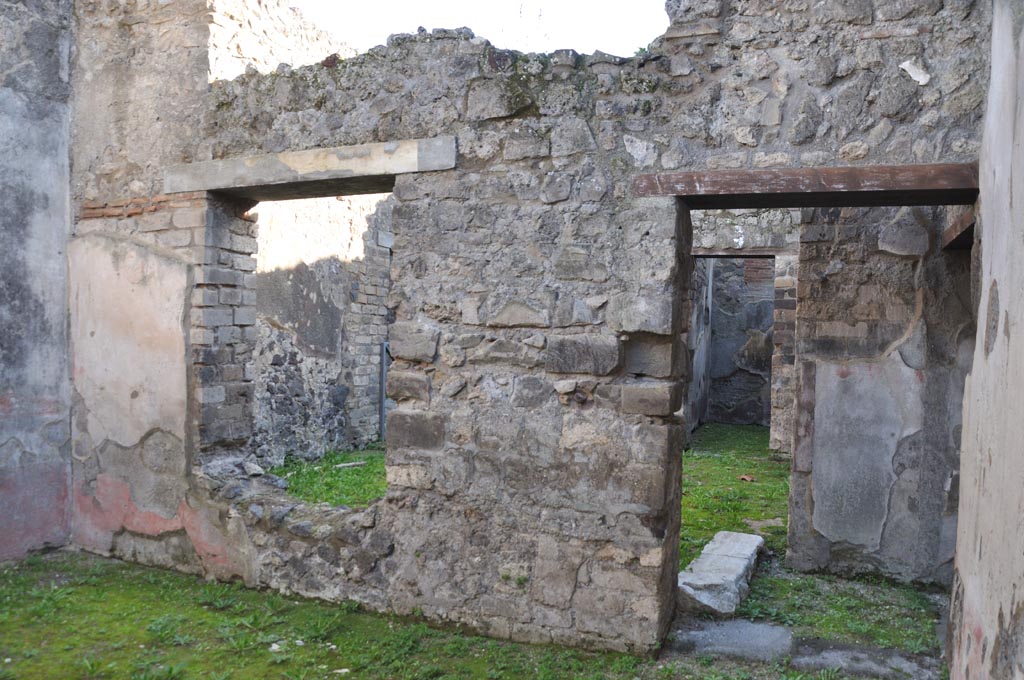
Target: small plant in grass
{"type": "Point", "coordinates": [334, 479]}
{"type": "Point", "coordinates": [218, 596]}
{"type": "Point", "coordinates": [322, 628]}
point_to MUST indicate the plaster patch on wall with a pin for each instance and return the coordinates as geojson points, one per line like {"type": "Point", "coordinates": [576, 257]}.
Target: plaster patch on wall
{"type": "Point", "coordinates": [862, 412]}
{"type": "Point", "coordinates": [127, 308]}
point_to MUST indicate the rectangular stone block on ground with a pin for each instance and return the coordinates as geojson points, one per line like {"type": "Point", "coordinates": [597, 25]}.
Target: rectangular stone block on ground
{"type": "Point", "coordinates": [717, 581]}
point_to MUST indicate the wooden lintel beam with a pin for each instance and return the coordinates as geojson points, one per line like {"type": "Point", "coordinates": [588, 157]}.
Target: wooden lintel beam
{"type": "Point", "coordinates": [863, 186]}
{"type": "Point", "coordinates": [740, 253]}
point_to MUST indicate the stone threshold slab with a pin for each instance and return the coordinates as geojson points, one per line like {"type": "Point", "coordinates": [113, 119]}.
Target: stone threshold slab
{"type": "Point", "coordinates": [770, 643]}
{"type": "Point", "coordinates": [336, 171]}
{"type": "Point", "coordinates": [718, 580]}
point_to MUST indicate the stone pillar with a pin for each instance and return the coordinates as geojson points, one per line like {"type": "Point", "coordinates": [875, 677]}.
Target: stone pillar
{"type": "Point", "coordinates": [783, 358]}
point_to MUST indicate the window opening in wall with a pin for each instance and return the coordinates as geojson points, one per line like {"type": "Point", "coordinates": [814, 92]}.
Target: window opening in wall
{"type": "Point", "coordinates": [322, 272]}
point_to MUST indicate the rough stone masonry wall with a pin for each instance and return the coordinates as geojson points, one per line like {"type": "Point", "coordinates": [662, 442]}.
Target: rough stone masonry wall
{"type": "Point", "coordinates": [263, 34]}
{"type": "Point", "coordinates": [322, 278]}
{"type": "Point", "coordinates": [743, 295]}
{"type": "Point", "coordinates": [533, 458]}
{"type": "Point", "coordinates": [35, 45]}
{"type": "Point", "coordinates": [987, 614]}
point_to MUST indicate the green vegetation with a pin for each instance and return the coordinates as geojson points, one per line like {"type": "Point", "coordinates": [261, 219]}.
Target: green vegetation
{"type": "Point", "coordinates": [80, 617]}
{"type": "Point", "coordinates": [322, 481]}
{"type": "Point", "coordinates": [730, 476]}
{"type": "Point", "coordinates": [715, 498]}
{"type": "Point", "coordinates": [864, 611]}
{"type": "Point", "coordinates": [76, 616]}
{"type": "Point", "coordinates": [69, 615]}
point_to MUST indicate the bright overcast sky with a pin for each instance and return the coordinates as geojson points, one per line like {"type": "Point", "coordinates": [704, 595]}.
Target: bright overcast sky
{"type": "Point", "coordinates": [524, 25]}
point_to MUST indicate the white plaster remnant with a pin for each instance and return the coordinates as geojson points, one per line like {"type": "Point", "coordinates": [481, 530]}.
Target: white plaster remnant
{"type": "Point", "coordinates": [644, 153]}
{"type": "Point", "coordinates": [917, 72]}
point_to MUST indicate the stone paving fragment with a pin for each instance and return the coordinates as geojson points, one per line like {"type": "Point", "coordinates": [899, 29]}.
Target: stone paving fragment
{"type": "Point", "coordinates": [738, 639]}
{"type": "Point", "coordinates": [718, 580]}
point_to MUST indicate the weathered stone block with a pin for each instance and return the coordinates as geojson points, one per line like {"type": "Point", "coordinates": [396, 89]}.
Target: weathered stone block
{"type": "Point", "coordinates": [415, 430]}
{"type": "Point", "coordinates": [411, 476]}
{"type": "Point", "coordinates": [652, 399]}
{"type": "Point", "coordinates": [643, 313]}
{"type": "Point", "coordinates": [906, 235]}
{"type": "Point", "coordinates": [531, 391]}
{"type": "Point", "coordinates": [594, 354]}
{"type": "Point", "coordinates": [652, 355]}
{"type": "Point", "coordinates": [501, 351]}
{"type": "Point", "coordinates": [489, 99]}
{"type": "Point", "coordinates": [404, 385]}
{"type": "Point", "coordinates": [717, 581]}
{"type": "Point", "coordinates": [557, 187]}
{"type": "Point", "coordinates": [516, 313]}
{"type": "Point", "coordinates": [572, 136]}
{"type": "Point", "coordinates": [412, 341]}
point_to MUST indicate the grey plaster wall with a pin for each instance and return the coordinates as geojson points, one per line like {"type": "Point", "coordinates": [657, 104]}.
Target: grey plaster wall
{"type": "Point", "coordinates": [987, 617]}
{"type": "Point", "coordinates": [698, 344]}
{"type": "Point", "coordinates": [35, 46]}
{"type": "Point", "coordinates": [741, 346]}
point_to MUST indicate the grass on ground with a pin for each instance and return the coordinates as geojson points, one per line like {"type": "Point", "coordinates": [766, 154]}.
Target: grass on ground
{"type": "Point", "coordinates": [322, 481]}
{"type": "Point", "coordinates": [79, 617]}
{"type": "Point", "coordinates": [865, 611]}
{"type": "Point", "coordinates": [862, 611]}
{"type": "Point", "coordinates": [729, 476]}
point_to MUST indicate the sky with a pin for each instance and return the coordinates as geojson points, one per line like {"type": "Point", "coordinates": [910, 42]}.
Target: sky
{"type": "Point", "coordinates": [524, 25]}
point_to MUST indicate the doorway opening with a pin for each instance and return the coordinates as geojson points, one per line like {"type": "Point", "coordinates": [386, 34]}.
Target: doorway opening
{"type": "Point", "coordinates": [865, 346]}
{"type": "Point", "coordinates": [322, 281]}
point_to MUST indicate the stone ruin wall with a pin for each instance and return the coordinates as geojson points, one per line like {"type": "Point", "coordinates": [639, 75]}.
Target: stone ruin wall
{"type": "Point", "coordinates": [884, 333]}
{"type": "Point", "coordinates": [322, 279]}
{"type": "Point", "coordinates": [35, 395]}
{"type": "Point", "coordinates": [262, 35]}
{"type": "Point", "coordinates": [540, 309]}
{"type": "Point", "coordinates": [743, 297]}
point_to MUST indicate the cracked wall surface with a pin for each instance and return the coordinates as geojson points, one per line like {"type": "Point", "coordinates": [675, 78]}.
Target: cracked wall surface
{"type": "Point", "coordinates": [540, 308]}
{"type": "Point", "coordinates": [34, 394]}
{"type": "Point", "coordinates": [986, 619]}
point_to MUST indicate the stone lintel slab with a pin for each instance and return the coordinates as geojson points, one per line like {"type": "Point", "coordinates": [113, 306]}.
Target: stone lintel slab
{"type": "Point", "coordinates": [358, 169]}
